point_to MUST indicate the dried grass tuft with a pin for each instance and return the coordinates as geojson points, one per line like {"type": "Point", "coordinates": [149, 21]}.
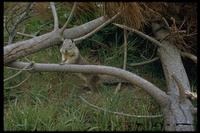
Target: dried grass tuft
{"type": "Point", "coordinates": [130, 16]}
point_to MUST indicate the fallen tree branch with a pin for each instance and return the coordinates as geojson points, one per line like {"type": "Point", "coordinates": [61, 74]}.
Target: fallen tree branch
{"type": "Point", "coordinates": [160, 96]}
{"type": "Point", "coordinates": [27, 47]}
{"type": "Point", "coordinates": [118, 113]}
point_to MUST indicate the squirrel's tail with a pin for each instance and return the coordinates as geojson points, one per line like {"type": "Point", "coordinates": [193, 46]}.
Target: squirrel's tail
{"type": "Point", "coordinates": [107, 79]}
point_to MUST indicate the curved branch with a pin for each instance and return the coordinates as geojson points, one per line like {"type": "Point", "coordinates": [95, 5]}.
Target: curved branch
{"type": "Point", "coordinates": [160, 96]}
{"type": "Point", "coordinates": [54, 15]}
{"type": "Point", "coordinates": [69, 19]}
{"type": "Point", "coordinates": [118, 113]}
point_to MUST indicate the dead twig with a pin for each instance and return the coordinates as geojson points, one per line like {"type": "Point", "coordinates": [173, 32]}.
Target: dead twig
{"type": "Point", "coordinates": [54, 15]}
{"type": "Point", "coordinates": [23, 34]}
{"type": "Point", "coordinates": [100, 43]}
{"type": "Point", "coordinates": [69, 18]}
{"type": "Point", "coordinates": [98, 28]}
{"type": "Point", "coordinates": [19, 20]}
{"type": "Point", "coordinates": [140, 34]}
{"type": "Point", "coordinates": [22, 81]}
{"type": "Point", "coordinates": [118, 113]}
{"type": "Point", "coordinates": [28, 65]}
{"type": "Point", "coordinates": [144, 62]}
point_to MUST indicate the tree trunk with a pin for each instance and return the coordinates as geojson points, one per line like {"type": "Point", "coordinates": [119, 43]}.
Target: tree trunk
{"type": "Point", "coordinates": [177, 113]}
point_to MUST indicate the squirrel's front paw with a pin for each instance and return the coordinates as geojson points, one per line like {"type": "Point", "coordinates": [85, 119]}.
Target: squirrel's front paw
{"type": "Point", "coordinates": [62, 63]}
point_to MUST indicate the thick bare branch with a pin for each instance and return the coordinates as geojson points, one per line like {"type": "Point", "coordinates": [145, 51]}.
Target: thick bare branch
{"type": "Point", "coordinates": [70, 17]}
{"type": "Point", "coordinates": [24, 48]}
{"type": "Point", "coordinates": [151, 89]}
{"type": "Point", "coordinates": [118, 113]}
{"type": "Point", "coordinates": [54, 15]}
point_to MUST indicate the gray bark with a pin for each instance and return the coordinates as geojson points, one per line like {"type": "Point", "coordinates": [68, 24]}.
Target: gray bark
{"type": "Point", "coordinates": [177, 113]}
{"type": "Point", "coordinates": [24, 48]}
{"type": "Point", "coordinates": [83, 29]}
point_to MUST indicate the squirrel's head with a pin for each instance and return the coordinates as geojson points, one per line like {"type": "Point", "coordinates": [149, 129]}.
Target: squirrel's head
{"type": "Point", "coordinates": [67, 46]}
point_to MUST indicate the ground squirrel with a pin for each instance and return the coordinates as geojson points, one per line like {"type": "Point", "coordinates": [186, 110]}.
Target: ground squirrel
{"type": "Point", "coordinates": [71, 55]}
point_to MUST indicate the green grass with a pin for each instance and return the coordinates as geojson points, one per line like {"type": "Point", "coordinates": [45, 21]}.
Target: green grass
{"type": "Point", "coordinates": [50, 101]}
